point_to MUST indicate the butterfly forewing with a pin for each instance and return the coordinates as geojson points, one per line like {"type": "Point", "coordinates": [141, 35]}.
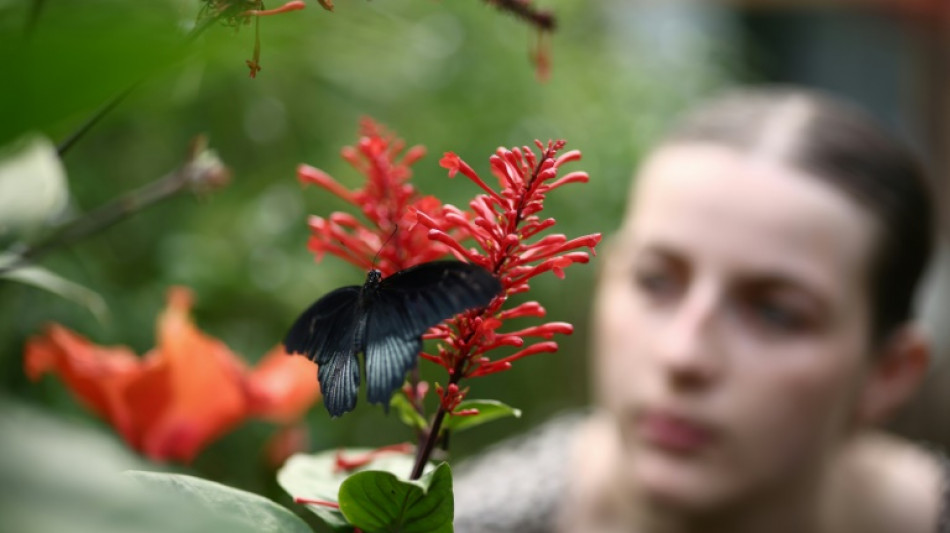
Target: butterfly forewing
{"type": "Point", "coordinates": [435, 291]}
{"type": "Point", "coordinates": [328, 333]}
{"type": "Point", "coordinates": [407, 304]}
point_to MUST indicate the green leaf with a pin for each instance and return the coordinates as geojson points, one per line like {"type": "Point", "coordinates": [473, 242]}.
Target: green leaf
{"type": "Point", "coordinates": [68, 478]}
{"type": "Point", "coordinates": [56, 284]}
{"type": "Point", "coordinates": [32, 186]}
{"type": "Point", "coordinates": [316, 477]}
{"type": "Point", "coordinates": [488, 410]}
{"type": "Point", "coordinates": [379, 502]}
{"type": "Point", "coordinates": [244, 511]}
{"type": "Point", "coordinates": [407, 413]}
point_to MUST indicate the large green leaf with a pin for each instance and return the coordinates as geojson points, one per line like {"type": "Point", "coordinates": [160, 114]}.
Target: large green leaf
{"type": "Point", "coordinates": [243, 511]}
{"type": "Point", "coordinates": [68, 477]}
{"type": "Point", "coordinates": [379, 502]}
{"type": "Point", "coordinates": [316, 477]}
{"type": "Point", "coordinates": [488, 410]}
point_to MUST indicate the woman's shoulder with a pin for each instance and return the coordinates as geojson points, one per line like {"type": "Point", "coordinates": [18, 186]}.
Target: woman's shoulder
{"type": "Point", "coordinates": [886, 483]}
{"type": "Point", "coordinates": [516, 485]}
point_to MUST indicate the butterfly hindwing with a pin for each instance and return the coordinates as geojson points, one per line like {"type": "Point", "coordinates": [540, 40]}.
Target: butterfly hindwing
{"type": "Point", "coordinates": [392, 345]}
{"type": "Point", "coordinates": [329, 333]}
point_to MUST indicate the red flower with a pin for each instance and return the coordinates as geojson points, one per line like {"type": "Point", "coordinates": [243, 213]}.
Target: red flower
{"type": "Point", "coordinates": [504, 223]}
{"type": "Point", "coordinates": [387, 200]}
{"type": "Point", "coordinates": [188, 391]}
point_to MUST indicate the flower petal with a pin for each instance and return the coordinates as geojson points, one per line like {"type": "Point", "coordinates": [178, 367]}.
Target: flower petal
{"type": "Point", "coordinates": [206, 396]}
{"type": "Point", "coordinates": [282, 387]}
{"type": "Point", "coordinates": [97, 375]}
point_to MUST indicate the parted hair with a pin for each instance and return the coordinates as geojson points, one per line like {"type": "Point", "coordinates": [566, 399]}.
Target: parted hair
{"type": "Point", "coordinates": [844, 146]}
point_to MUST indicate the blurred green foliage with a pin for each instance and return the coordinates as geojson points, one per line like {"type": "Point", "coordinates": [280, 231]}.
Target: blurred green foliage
{"type": "Point", "coordinates": [453, 76]}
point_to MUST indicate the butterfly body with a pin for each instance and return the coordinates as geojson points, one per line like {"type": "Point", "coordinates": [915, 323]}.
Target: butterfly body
{"type": "Point", "coordinates": [384, 320]}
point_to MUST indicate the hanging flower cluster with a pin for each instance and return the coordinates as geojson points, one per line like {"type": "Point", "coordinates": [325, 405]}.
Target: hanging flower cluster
{"type": "Point", "coordinates": [182, 395]}
{"type": "Point", "coordinates": [238, 13]}
{"type": "Point", "coordinates": [504, 223]}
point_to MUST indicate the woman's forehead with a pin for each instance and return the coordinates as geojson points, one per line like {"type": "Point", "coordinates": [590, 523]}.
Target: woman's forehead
{"type": "Point", "coordinates": [748, 211]}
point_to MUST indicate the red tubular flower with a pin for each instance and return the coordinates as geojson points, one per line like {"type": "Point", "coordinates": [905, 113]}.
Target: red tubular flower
{"type": "Point", "coordinates": [503, 222]}
{"type": "Point", "coordinates": [185, 393]}
{"type": "Point", "coordinates": [502, 225]}
{"type": "Point", "coordinates": [393, 207]}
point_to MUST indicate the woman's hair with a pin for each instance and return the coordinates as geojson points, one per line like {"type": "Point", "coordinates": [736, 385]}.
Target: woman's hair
{"type": "Point", "coordinates": [846, 148]}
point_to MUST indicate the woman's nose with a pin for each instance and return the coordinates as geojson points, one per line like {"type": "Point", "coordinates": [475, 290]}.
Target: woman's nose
{"type": "Point", "coordinates": [688, 349]}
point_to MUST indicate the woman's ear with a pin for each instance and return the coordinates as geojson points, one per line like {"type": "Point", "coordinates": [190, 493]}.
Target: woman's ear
{"type": "Point", "coordinates": [894, 375]}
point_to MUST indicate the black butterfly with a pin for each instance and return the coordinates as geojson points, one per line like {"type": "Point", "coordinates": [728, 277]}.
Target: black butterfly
{"type": "Point", "coordinates": [385, 319]}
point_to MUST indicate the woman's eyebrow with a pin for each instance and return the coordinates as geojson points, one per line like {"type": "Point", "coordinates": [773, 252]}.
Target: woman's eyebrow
{"type": "Point", "coordinates": [781, 281]}
{"type": "Point", "coordinates": [662, 250]}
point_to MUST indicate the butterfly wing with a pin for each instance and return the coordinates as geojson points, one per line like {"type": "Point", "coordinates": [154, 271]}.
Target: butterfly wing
{"type": "Point", "coordinates": [407, 304]}
{"type": "Point", "coordinates": [329, 332]}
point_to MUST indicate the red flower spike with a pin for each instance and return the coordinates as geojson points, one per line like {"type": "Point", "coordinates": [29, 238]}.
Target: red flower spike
{"type": "Point", "coordinates": [501, 230]}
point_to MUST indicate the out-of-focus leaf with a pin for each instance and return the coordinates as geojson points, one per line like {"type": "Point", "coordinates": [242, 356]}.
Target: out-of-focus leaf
{"type": "Point", "coordinates": [380, 502]}
{"type": "Point", "coordinates": [60, 476]}
{"type": "Point", "coordinates": [242, 511]}
{"type": "Point", "coordinates": [488, 410]}
{"type": "Point", "coordinates": [32, 186]}
{"type": "Point", "coordinates": [72, 291]}
{"type": "Point", "coordinates": [316, 477]}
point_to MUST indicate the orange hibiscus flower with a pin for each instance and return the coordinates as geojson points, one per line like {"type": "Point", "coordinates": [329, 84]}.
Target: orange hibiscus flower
{"type": "Point", "coordinates": [186, 392]}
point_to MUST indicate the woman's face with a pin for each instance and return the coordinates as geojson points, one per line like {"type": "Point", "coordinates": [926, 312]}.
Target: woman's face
{"type": "Point", "coordinates": [732, 325]}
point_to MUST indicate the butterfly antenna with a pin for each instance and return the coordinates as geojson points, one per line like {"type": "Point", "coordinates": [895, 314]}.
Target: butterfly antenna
{"type": "Point", "coordinates": [391, 235]}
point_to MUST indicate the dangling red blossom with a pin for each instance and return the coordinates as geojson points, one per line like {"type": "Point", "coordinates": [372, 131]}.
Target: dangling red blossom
{"type": "Point", "coordinates": [238, 13]}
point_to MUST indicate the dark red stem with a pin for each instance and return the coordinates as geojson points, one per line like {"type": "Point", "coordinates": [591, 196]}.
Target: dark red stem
{"type": "Point", "coordinates": [523, 9]}
{"type": "Point", "coordinates": [425, 451]}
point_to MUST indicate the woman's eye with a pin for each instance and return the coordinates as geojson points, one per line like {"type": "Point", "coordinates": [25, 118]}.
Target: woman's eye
{"type": "Point", "coordinates": [657, 284]}
{"type": "Point", "coordinates": [777, 318]}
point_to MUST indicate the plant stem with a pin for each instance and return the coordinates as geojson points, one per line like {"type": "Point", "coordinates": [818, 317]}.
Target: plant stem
{"type": "Point", "coordinates": [193, 174]}
{"type": "Point", "coordinates": [425, 450]}
{"type": "Point", "coordinates": [35, 9]}
{"type": "Point", "coordinates": [523, 9]}
{"type": "Point", "coordinates": [78, 133]}
{"type": "Point", "coordinates": [81, 131]}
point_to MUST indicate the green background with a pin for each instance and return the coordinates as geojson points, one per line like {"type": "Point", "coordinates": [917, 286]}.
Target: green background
{"type": "Point", "coordinates": [453, 76]}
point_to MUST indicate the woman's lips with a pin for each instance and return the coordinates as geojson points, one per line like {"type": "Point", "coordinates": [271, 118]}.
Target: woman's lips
{"type": "Point", "coordinates": [673, 432]}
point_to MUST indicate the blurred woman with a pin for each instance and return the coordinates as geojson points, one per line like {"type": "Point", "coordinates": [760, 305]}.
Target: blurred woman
{"type": "Point", "coordinates": [752, 326]}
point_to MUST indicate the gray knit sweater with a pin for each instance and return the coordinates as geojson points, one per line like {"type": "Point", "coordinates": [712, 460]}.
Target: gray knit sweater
{"type": "Point", "coordinates": [517, 486]}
